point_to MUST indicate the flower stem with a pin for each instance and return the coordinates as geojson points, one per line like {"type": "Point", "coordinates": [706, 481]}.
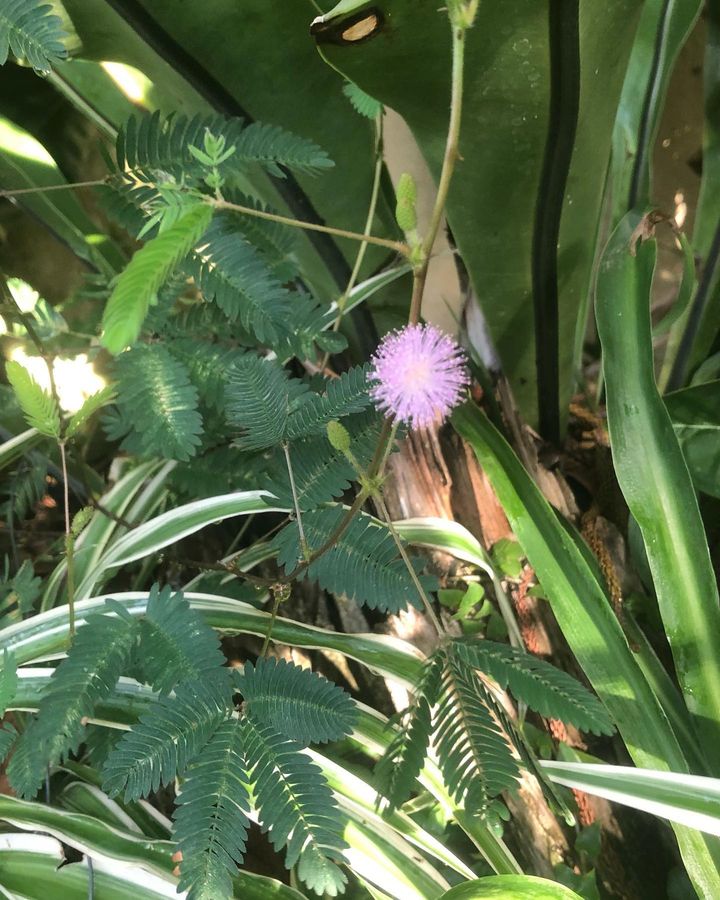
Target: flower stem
{"type": "Point", "coordinates": [446, 173]}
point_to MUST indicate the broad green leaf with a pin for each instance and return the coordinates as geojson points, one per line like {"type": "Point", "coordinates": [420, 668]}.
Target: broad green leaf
{"type": "Point", "coordinates": [17, 446]}
{"type": "Point", "coordinates": [31, 866]}
{"type": "Point", "coordinates": [692, 800]}
{"type": "Point", "coordinates": [25, 163]}
{"type": "Point", "coordinates": [178, 523]}
{"type": "Point", "coordinates": [705, 316]}
{"type": "Point", "coordinates": [90, 835]}
{"type": "Point", "coordinates": [654, 478]}
{"type": "Point", "coordinates": [137, 285]}
{"type": "Point", "coordinates": [585, 616]}
{"type": "Point", "coordinates": [8, 681]}
{"type": "Point", "coordinates": [695, 414]}
{"type": "Point", "coordinates": [38, 405]}
{"type": "Point", "coordinates": [511, 887]}
{"type": "Point", "coordinates": [405, 64]}
{"type": "Point", "coordinates": [662, 30]}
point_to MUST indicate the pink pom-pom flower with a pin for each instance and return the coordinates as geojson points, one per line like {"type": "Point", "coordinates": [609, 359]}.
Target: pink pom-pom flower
{"type": "Point", "coordinates": [418, 375]}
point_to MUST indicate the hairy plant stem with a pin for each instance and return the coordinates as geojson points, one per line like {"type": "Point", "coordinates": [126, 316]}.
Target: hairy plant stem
{"type": "Point", "coordinates": [446, 173]}
{"type": "Point", "coordinates": [396, 246]}
{"type": "Point", "coordinates": [375, 193]}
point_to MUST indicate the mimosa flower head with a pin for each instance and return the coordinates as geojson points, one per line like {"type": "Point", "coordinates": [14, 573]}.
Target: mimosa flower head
{"type": "Point", "coordinates": [418, 375]}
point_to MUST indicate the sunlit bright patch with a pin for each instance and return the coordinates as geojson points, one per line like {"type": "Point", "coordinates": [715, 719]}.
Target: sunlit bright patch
{"type": "Point", "coordinates": [75, 378]}
{"type": "Point", "coordinates": [131, 81]}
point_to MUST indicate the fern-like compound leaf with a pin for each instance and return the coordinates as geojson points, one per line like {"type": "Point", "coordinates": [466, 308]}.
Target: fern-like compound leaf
{"type": "Point", "coordinates": [93, 403]}
{"type": "Point", "coordinates": [474, 755]}
{"type": "Point", "coordinates": [8, 736]}
{"type": "Point", "coordinates": [167, 738]}
{"type": "Point", "coordinates": [343, 396]}
{"type": "Point", "coordinates": [137, 286]}
{"type": "Point", "coordinates": [99, 653]}
{"type": "Point", "coordinates": [296, 807]}
{"type": "Point", "coordinates": [211, 818]}
{"type": "Point", "coordinates": [157, 402]}
{"type": "Point", "coordinates": [175, 643]}
{"type": "Point", "coordinates": [363, 103]}
{"type": "Point", "coordinates": [147, 144]}
{"type": "Point", "coordinates": [207, 365]}
{"type": "Point", "coordinates": [273, 147]}
{"type": "Point", "coordinates": [297, 703]}
{"type": "Point", "coordinates": [233, 274]}
{"type": "Point", "coordinates": [404, 758]}
{"type": "Point", "coordinates": [30, 30]}
{"type": "Point", "coordinates": [259, 398]}
{"type": "Point", "coordinates": [39, 406]}
{"type": "Point", "coordinates": [322, 473]}
{"type": "Point", "coordinates": [363, 564]}
{"type": "Point", "coordinates": [544, 688]}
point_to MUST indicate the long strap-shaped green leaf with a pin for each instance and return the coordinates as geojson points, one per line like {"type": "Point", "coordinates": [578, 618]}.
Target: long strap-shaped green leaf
{"type": "Point", "coordinates": [97, 839]}
{"type": "Point", "coordinates": [693, 800]}
{"type": "Point", "coordinates": [588, 623]}
{"type": "Point", "coordinates": [655, 480]}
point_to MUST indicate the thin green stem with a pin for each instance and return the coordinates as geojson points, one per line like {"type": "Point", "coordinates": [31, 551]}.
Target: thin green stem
{"type": "Point", "coordinates": [42, 189]}
{"type": "Point", "coordinates": [375, 193]}
{"type": "Point", "coordinates": [279, 593]}
{"type": "Point", "coordinates": [446, 173]}
{"type": "Point", "coordinates": [408, 564]}
{"type": "Point", "coordinates": [396, 246]}
{"type": "Point", "coordinates": [303, 541]}
{"type": "Point", "coordinates": [69, 542]}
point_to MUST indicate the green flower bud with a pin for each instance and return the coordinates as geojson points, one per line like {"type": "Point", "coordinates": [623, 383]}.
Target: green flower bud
{"type": "Point", "coordinates": [406, 198]}
{"type": "Point", "coordinates": [338, 436]}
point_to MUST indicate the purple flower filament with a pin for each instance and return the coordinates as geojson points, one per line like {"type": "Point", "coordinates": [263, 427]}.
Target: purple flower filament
{"type": "Point", "coordinates": [418, 375]}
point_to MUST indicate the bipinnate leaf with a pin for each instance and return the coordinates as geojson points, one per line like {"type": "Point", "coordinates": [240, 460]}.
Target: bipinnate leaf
{"type": "Point", "coordinates": [31, 30]}
{"type": "Point", "coordinates": [363, 564]}
{"type": "Point", "coordinates": [175, 643]}
{"type": "Point", "coordinates": [167, 738]}
{"type": "Point", "coordinates": [259, 397]}
{"type": "Point", "coordinates": [93, 403]}
{"type": "Point", "coordinates": [211, 817]}
{"type": "Point", "coordinates": [296, 807]}
{"type": "Point", "coordinates": [544, 688]}
{"type": "Point", "coordinates": [137, 286]}
{"type": "Point", "coordinates": [38, 406]}
{"type": "Point", "coordinates": [473, 753]}
{"type": "Point", "coordinates": [296, 702]}
{"type": "Point", "coordinates": [98, 655]}
{"type": "Point", "coordinates": [402, 762]}
{"type": "Point", "coordinates": [157, 403]}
